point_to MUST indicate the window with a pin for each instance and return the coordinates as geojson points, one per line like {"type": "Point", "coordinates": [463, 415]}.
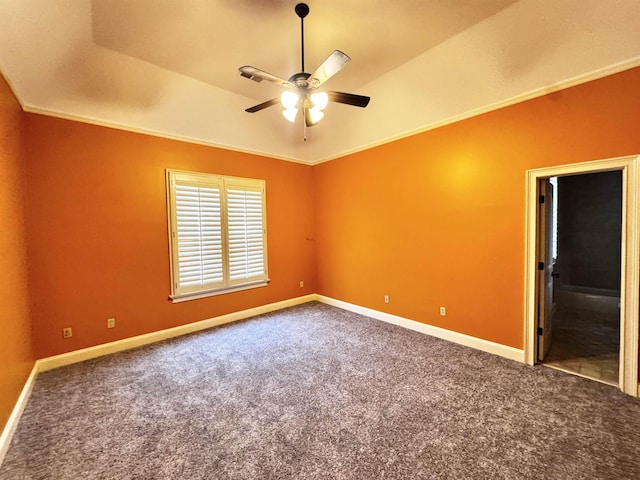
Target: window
{"type": "Point", "coordinates": [217, 234]}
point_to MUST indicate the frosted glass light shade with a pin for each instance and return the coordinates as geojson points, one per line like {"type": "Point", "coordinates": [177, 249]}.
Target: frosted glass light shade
{"type": "Point", "coordinates": [290, 114]}
{"type": "Point", "coordinates": [289, 99]}
{"type": "Point", "coordinates": [320, 100]}
{"type": "Point", "coordinates": [316, 115]}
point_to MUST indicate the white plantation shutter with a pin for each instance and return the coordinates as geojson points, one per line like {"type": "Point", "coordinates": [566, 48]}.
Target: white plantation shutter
{"type": "Point", "coordinates": [245, 233]}
{"type": "Point", "coordinates": [217, 234]}
{"type": "Point", "coordinates": [199, 236]}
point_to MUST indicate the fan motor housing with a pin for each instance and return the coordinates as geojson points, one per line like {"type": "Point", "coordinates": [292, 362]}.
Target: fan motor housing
{"type": "Point", "coordinates": [300, 79]}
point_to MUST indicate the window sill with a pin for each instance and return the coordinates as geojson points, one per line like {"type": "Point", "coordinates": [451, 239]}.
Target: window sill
{"type": "Point", "coordinates": [185, 297]}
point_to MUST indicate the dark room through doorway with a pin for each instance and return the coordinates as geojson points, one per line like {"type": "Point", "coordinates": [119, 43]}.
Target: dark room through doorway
{"type": "Point", "coordinates": [583, 239]}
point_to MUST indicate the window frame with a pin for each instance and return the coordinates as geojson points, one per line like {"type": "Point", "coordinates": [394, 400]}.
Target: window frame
{"type": "Point", "coordinates": [224, 184]}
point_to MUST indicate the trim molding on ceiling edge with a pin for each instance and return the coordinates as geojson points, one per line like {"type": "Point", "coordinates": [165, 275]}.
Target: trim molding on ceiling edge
{"type": "Point", "coordinates": [153, 133]}
{"type": "Point", "coordinates": [539, 92]}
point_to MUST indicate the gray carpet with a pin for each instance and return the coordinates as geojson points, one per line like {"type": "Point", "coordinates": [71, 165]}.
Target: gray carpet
{"type": "Point", "coordinates": [314, 392]}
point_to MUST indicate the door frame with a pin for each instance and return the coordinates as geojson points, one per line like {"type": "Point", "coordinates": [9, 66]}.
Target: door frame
{"type": "Point", "coordinates": [630, 258]}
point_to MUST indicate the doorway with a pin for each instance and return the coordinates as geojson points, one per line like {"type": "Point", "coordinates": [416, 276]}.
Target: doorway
{"type": "Point", "coordinates": [583, 240]}
{"type": "Point", "coordinates": [539, 266]}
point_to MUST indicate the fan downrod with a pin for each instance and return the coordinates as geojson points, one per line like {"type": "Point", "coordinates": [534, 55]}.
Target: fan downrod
{"type": "Point", "coordinates": [302, 10]}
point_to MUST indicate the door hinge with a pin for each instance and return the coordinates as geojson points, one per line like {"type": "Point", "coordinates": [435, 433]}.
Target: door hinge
{"type": "Point", "coordinates": [540, 331]}
{"type": "Point", "coordinates": [541, 199]}
{"type": "Point", "coordinates": [540, 265]}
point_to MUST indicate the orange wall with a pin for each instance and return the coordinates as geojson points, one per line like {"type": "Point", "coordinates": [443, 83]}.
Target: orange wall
{"type": "Point", "coordinates": [16, 359]}
{"type": "Point", "coordinates": [439, 218]}
{"type": "Point", "coordinates": [97, 225]}
{"type": "Point", "coordinates": [434, 219]}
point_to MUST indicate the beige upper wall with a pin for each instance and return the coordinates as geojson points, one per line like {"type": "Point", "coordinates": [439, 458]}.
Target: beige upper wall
{"type": "Point", "coordinates": [527, 48]}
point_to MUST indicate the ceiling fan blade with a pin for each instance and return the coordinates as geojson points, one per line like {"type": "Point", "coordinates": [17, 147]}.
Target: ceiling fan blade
{"type": "Point", "coordinates": [349, 99]}
{"type": "Point", "coordinates": [258, 75]}
{"type": "Point", "coordinates": [332, 65]}
{"type": "Point", "coordinates": [262, 106]}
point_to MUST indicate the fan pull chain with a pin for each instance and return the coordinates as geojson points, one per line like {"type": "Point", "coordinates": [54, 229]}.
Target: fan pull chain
{"type": "Point", "coordinates": [304, 125]}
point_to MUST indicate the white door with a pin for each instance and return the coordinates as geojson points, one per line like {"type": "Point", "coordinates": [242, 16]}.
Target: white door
{"type": "Point", "coordinates": [545, 268]}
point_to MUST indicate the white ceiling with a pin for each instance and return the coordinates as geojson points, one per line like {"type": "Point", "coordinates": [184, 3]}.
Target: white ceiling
{"type": "Point", "coordinates": [170, 67]}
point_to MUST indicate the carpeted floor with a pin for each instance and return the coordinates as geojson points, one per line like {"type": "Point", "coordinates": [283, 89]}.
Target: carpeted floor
{"type": "Point", "coordinates": [315, 392]}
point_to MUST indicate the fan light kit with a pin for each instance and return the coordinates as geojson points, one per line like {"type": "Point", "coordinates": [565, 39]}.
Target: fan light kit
{"type": "Point", "coordinates": [301, 90]}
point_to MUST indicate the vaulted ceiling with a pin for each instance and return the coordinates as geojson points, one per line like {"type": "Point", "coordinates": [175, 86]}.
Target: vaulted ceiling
{"type": "Point", "coordinates": [170, 67]}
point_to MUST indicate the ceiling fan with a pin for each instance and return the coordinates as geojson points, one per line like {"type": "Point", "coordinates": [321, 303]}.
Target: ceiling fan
{"type": "Point", "coordinates": [302, 89]}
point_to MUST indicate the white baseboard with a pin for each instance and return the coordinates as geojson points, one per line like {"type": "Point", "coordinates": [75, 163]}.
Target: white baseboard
{"type": "Point", "coordinates": [455, 337]}
{"type": "Point", "coordinates": [76, 356]}
{"type": "Point", "coordinates": [133, 342]}
{"type": "Point", "coordinates": [140, 340]}
{"type": "Point", "coordinates": [126, 344]}
{"type": "Point", "coordinates": [14, 418]}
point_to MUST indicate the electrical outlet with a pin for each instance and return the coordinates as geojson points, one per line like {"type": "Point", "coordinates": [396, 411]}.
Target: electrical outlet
{"type": "Point", "coordinates": [443, 311]}
{"type": "Point", "coordinates": [301, 284]}
{"type": "Point", "coordinates": [111, 322]}
{"type": "Point", "coordinates": [67, 333]}
{"type": "Point", "coordinates": [386, 299]}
